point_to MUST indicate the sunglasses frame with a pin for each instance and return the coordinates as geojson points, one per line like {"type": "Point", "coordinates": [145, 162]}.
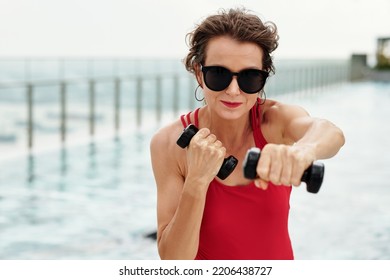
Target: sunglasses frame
{"type": "Point", "coordinates": [263, 73]}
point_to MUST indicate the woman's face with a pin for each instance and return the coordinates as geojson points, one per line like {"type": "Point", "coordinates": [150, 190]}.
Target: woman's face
{"type": "Point", "coordinates": [231, 103]}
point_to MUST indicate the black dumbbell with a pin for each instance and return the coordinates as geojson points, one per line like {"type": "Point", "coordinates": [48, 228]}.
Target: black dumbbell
{"type": "Point", "coordinates": [228, 164]}
{"type": "Point", "coordinates": [313, 175]}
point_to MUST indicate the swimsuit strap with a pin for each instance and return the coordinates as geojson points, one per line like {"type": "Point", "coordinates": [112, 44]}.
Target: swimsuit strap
{"type": "Point", "coordinates": [186, 119]}
{"type": "Point", "coordinates": [256, 125]}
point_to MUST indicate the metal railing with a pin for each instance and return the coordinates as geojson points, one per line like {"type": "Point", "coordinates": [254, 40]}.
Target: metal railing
{"type": "Point", "coordinates": [307, 78]}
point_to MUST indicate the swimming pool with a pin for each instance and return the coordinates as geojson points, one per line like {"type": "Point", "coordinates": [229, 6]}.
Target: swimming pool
{"type": "Point", "coordinates": [97, 201]}
{"type": "Point", "coordinates": [91, 201]}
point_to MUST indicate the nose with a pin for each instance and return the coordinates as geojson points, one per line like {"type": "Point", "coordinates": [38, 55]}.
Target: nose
{"type": "Point", "coordinates": [233, 88]}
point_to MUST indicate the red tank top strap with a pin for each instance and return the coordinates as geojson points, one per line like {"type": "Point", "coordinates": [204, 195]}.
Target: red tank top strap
{"type": "Point", "coordinates": [188, 116]}
{"type": "Point", "coordinates": [186, 119]}
{"type": "Point", "coordinates": [196, 116]}
{"type": "Point", "coordinates": [256, 125]}
{"type": "Point", "coordinates": [183, 121]}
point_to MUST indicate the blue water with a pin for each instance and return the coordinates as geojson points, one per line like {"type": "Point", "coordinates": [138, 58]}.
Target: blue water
{"type": "Point", "coordinates": [97, 201]}
{"type": "Point", "coordinates": [350, 217]}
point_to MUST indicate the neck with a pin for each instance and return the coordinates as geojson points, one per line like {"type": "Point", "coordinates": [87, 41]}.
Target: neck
{"type": "Point", "coordinates": [233, 134]}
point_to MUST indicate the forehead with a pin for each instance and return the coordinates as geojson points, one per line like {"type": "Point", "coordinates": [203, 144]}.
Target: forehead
{"type": "Point", "coordinates": [231, 53]}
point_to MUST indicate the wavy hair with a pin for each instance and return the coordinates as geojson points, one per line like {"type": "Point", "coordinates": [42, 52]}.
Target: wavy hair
{"type": "Point", "coordinates": [239, 24]}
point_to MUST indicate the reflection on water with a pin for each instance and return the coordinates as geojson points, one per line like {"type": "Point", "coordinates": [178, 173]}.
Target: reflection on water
{"type": "Point", "coordinates": [63, 168]}
{"type": "Point", "coordinates": [30, 170]}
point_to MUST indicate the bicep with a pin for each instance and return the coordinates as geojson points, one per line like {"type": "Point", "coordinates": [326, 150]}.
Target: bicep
{"type": "Point", "coordinates": [297, 122]}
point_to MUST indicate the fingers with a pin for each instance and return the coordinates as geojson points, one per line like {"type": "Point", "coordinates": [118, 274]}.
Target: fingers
{"type": "Point", "coordinates": [288, 167]}
{"type": "Point", "coordinates": [262, 184]}
{"type": "Point", "coordinates": [202, 138]}
{"type": "Point", "coordinates": [205, 155]}
{"type": "Point", "coordinates": [282, 165]}
{"type": "Point", "coordinates": [206, 139]}
{"type": "Point", "coordinates": [270, 165]}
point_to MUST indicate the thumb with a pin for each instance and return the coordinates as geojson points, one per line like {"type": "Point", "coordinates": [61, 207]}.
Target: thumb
{"type": "Point", "coordinates": [261, 184]}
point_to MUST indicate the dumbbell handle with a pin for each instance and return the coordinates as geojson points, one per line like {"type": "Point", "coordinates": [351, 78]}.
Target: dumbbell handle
{"type": "Point", "coordinates": [228, 164]}
{"type": "Point", "coordinates": [312, 176]}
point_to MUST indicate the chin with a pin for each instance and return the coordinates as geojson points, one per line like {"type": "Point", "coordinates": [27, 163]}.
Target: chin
{"type": "Point", "coordinates": [232, 114]}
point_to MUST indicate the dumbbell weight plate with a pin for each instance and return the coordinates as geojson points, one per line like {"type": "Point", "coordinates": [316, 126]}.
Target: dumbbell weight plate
{"type": "Point", "coordinates": [186, 136]}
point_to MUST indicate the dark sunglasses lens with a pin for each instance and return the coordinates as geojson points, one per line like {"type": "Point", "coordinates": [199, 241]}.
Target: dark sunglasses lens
{"type": "Point", "coordinates": [217, 78]}
{"type": "Point", "coordinates": [251, 80]}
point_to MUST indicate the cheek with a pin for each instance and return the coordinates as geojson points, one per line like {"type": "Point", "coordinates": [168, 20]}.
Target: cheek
{"type": "Point", "coordinates": [209, 96]}
{"type": "Point", "coordinates": [251, 100]}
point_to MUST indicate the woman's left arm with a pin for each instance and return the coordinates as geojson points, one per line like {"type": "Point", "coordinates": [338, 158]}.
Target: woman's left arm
{"type": "Point", "coordinates": [321, 135]}
{"type": "Point", "coordinates": [303, 140]}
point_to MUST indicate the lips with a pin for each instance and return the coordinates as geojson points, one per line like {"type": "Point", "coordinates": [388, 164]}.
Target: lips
{"type": "Point", "coordinates": [231, 104]}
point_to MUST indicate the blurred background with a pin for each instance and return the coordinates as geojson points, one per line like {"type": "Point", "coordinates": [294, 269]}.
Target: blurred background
{"type": "Point", "coordinates": [85, 84]}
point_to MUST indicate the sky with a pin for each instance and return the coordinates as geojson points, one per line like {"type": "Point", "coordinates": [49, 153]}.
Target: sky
{"type": "Point", "coordinates": [157, 29]}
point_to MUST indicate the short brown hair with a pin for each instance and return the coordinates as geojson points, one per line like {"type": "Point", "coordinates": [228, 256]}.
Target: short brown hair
{"type": "Point", "coordinates": [240, 25]}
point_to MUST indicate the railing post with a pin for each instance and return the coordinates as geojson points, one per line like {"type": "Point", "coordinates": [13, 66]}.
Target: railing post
{"type": "Point", "coordinates": [323, 76]}
{"type": "Point", "coordinates": [63, 111]}
{"type": "Point", "coordinates": [192, 86]}
{"type": "Point", "coordinates": [327, 77]}
{"type": "Point", "coordinates": [306, 79]}
{"type": "Point", "coordinates": [341, 73]}
{"type": "Point", "coordinates": [158, 98]}
{"type": "Point", "coordinates": [117, 97]}
{"type": "Point", "coordinates": [293, 78]}
{"type": "Point", "coordinates": [317, 77]}
{"type": "Point", "coordinates": [30, 120]}
{"type": "Point", "coordinates": [91, 107]}
{"type": "Point", "coordinates": [175, 105]}
{"type": "Point", "coordinates": [284, 80]}
{"type": "Point", "coordinates": [139, 102]}
{"type": "Point", "coordinates": [312, 79]}
{"type": "Point", "coordinates": [27, 70]}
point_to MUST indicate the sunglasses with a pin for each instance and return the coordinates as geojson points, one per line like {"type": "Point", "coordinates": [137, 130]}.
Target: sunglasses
{"type": "Point", "coordinates": [218, 78]}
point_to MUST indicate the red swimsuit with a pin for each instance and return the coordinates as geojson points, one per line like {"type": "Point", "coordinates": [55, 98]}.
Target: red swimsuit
{"type": "Point", "coordinates": [245, 222]}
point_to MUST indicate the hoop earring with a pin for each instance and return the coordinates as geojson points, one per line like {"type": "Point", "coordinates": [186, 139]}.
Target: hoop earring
{"type": "Point", "coordinates": [262, 99]}
{"type": "Point", "coordinates": [196, 95]}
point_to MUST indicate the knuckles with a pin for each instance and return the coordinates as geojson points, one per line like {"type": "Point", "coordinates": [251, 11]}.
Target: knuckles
{"type": "Point", "coordinates": [282, 164]}
{"type": "Point", "coordinates": [207, 143]}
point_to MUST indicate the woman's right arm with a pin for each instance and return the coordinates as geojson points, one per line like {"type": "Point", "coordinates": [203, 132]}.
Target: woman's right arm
{"type": "Point", "coordinates": [181, 194]}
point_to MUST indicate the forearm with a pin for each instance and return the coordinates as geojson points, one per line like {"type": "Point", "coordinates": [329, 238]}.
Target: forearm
{"type": "Point", "coordinates": [180, 238]}
{"type": "Point", "coordinates": [324, 138]}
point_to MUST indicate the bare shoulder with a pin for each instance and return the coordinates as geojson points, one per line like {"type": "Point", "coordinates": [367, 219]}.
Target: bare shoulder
{"type": "Point", "coordinates": [278, 111]}
{"type": "Point", "coordinates": [166, 137]}
{"type": "Point", "coordinates": [163, 148]}
{"type": "Point", "coordinates": [277, 119]}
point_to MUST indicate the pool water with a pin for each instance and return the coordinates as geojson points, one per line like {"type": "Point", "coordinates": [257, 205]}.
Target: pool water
{"type": "Point", "coordinates": [92, 201]}
{"type": "Point", "coordinates": [97, 201]}
{"type": "Point", "coordinates": [350, 217]}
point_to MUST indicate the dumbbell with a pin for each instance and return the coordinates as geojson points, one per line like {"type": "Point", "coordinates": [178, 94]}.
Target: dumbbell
{"type": "Point", "coordinates": [228, 164]}
{"type": "Point", "coordinates": [312, 176]}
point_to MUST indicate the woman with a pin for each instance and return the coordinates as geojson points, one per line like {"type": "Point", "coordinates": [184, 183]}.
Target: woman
{"type": "Point", "coordinates": [201, 216]}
